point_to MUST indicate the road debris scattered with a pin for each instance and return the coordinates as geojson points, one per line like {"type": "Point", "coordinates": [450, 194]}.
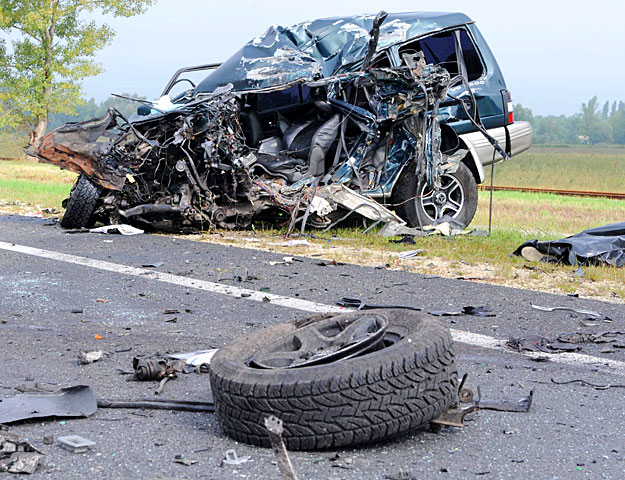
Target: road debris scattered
{"type": "Point", "coordinates": [467, 403]}
{"type": "Point", "coordinates": [16, 455]}
{"type": "Point", "coordinates": [232, 458]}
{"type": "Point", "coordinates": [274, 427]}
{"type": "Point", "coordinates": [117, 229]}
{"type": "Point", "coordinates": [86, 358]}
{"type": "Point", "coordinates": [157, 369]}
{"type": "Point", "coordinates": [589, 384]}
{"type": "Point", "coordinates": [589, 313]}
{"type": "Point", "coordinates": [153, 265]}
{"type": "Point", "coordinates": [536, 343]}
{"type": "Point", "coordinates": [200, 359]}
{"type": "Point", "coordinates": [481, 311]}
{"type": "Point", "coordinates": [361, 305]}
{"type": "Point", "coordinates": [184, 461]}
{"type": "Point", "coordinates": [410, 253]}
{"type": "Point", "coordinates": [521, 405]}
{"type": "Point", "coordinates": [158, 404]}
{"type": "Point", "coordinates": [76, 401]}
{"type": "Point", "coordinates": [75, 443]}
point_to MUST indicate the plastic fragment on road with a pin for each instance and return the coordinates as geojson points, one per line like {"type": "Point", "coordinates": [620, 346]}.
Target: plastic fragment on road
{"type": "Point", "coordinates": [16, 455]}
{"type": "Point", "coordinates": [291, 243]}
{"type": "Point", "coordinates": [468, 310]}
{"type": "Point", "coordinates": [410, 253]}
{"type": "Point", "coordinates": [590, 313]}
{"type": "Point", "coordinates": [536, 343]}
{"type": "Point", "coordinates": [589, 384]}
{"type": "Point", "coordinates": [153, 265]}
{"type": "Point", "coordinates": [285, 261]}
{"type": "Point", "coordinates": [89, 357]}
{"type": "Point", "coordinates": [184, 461]}
{"type": "Point", "coordinates": [98, 337]}
{"type": "Point", "coordinates": [361, 305]}
{"type": "Point", "coordinates": [521, 405]}
{"type": "Point", "coordinates": [446, 226]}
{"type": "Point", "coordinates": [75, 443]}
{"type": "Point", "coordinates": [76, 401]}
{"type": "Point", "coordinates": [196, 359]}
{"type": "Point", "coordinates": [121, 229]}
{"type": "Point", "coordinates": [233, 459]}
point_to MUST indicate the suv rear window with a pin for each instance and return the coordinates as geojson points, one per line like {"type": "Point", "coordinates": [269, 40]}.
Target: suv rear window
{"type": "Point", "coordinates": [440, 49]}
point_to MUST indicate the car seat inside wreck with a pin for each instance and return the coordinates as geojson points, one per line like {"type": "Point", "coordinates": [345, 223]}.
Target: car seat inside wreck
{"type": "Point", "coordinates": [304, 125]}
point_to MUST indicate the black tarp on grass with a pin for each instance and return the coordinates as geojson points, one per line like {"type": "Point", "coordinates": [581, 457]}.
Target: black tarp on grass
{"type": "Point", "coordinates": [595, 246]}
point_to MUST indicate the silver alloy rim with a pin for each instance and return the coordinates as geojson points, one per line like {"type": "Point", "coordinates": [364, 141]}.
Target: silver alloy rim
{"type": "Point", "coordinates": [449, 200]}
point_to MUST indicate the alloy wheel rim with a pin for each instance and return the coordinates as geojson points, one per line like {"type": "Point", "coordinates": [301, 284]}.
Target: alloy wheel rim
{"type": "Point", "coordinates": [449, 200]}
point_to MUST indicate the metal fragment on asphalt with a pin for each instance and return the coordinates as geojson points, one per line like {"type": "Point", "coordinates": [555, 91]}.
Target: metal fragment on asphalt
{"type": "Point", "coordinates": [75, 443]}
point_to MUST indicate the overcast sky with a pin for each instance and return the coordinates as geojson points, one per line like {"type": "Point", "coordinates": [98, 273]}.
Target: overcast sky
{"type": "Point", "coordinates": [553, 54]}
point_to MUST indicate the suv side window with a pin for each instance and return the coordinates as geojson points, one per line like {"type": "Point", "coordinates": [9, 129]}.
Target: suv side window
{"type": "Point", "coordinates": [440, 49]}
{"type": "Point", "coordinates": [472, 61]}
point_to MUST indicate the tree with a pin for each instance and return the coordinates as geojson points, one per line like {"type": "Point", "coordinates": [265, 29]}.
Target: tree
{"type": "Point", "coordinates": [52, 50]}
{"type": "Point", "coordinates": [91, 109]}
{"type": "Point", "coordinates": [593, 125]}
{"type": "Point", "coordinates": [617, 121]}
{"type": "Point", "coordinates": [523, 113]}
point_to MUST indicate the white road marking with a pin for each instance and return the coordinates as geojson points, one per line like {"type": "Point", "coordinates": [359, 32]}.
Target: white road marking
{"type": "Point", "coordinates": [604, 365]}
{"type": "Point", "coordinates": [175, 279]}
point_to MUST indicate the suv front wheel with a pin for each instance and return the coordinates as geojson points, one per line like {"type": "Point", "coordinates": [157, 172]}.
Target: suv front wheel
{"type": "Point", "coordinates": [81, 204]}
{"type": "Point", "coordinates": [456, 198]}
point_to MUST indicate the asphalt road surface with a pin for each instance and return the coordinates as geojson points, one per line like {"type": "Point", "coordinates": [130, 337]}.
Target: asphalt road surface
{"type": "Point", "coordinates": [46, 276]}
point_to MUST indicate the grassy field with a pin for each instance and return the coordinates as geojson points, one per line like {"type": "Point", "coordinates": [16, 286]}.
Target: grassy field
{"type": "Point", "coordinates": [517, 217]}
{"type": "Point", "coordinates": [595, 168]}
{"type": "Point", "coordinates": [29, 181]}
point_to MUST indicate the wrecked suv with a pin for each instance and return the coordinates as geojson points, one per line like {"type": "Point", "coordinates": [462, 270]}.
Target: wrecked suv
{"type": "Point", "coordinates": [306, 124]}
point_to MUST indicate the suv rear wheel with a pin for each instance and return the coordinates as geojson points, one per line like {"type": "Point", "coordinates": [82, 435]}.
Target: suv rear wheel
{"type": "Point", "coordinates": [456, 198]}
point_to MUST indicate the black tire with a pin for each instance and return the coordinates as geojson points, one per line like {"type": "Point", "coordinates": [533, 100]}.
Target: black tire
{"type": "Point", "coordinates": [81, 204]}
{"type": "Point", "coordinates": [352, 401]}
{"type": "Point", "coordinates": [411, 208]}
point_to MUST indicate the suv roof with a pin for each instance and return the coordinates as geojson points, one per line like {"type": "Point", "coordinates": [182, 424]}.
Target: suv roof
{"type": "Point", "coordinates": [308, 50]}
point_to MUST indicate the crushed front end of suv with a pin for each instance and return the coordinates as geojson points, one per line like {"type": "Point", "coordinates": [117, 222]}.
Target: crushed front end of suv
{"type": "Point", "coordinates": [307, 124]}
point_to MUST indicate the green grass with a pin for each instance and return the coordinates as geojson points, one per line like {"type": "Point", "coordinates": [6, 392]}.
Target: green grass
{"type": "Point", "coordinates": [29, 181]}
{"type": "Point", "coordinates": [547, 215]}
{"type": "Point", "coordinates": [45, 194]}
{"type": "Point", "coordinates": [595, 168]}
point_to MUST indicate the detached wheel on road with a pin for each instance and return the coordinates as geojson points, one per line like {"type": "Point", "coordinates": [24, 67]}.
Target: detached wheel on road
{"type": "Point", "coordinates": [81, 204]}
{"type": "Point", "coordinates": [336, 379]}
{"type": "Point", "coordinates": [456, 198]}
